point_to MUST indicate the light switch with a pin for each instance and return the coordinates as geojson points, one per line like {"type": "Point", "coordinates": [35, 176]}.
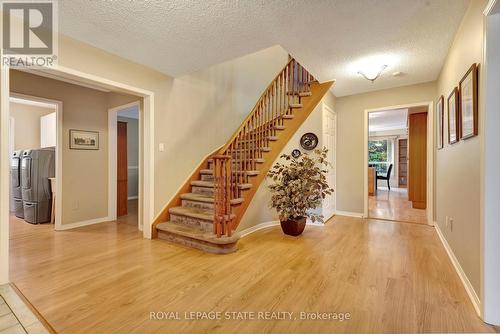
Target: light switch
{"type": "Point", "coordinates": [161, 147]}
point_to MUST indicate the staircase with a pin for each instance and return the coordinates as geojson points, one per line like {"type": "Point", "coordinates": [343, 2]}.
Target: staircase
{"type": "Point", "coordinates": [207, 209]}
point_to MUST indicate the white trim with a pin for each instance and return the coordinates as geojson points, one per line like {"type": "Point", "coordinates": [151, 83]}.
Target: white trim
{"type": "Point", "coordinates": [458, 268]}
{"type": "Point", "coordinates": [350, 214]}
{"type": "Point", "coordinates": [70, 226]}
{"type": "Point", "coordinates": [258, 227]}
{"type": "Point", "coordinates": [31, 103]}
{"type": "Point", "coordinates": [430, 155]}
{"type": "Point", "coordinates": [4, 175]}
{"type": "Point", "coordinates": [492, 8]}
{"type": "Point", "coordinates": [112, 159]}
{"type": "Point", "coordinates": [132, 197]}
{"type": "Point", "coordinates": [490, 179]}
{"type": "Point", "coordinates": [58, 106]}
{"type": "Point", "coordinates": [265, 225]}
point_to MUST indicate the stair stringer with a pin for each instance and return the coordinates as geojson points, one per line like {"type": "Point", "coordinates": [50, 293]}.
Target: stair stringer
{"type": "Point", "coordinates": [291, 126]}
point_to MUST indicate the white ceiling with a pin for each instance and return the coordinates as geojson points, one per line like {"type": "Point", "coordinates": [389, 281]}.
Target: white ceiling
{"type": "Point", "coordinates": [388, 120]}
{"type": "Point", "coordinates": [332, 38]}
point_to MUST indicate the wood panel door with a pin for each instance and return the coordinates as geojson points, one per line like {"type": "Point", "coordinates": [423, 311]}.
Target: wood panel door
{"type": "Point", "coordinates": [417, 163]}
{"type": "Point", "coordinates": [122, 172]}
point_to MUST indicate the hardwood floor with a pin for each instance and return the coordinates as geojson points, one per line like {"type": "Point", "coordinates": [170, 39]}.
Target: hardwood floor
{"type": "Point", "coordinates": [394, 205]}
{"type": "Point", "coordinates": [390, 278]}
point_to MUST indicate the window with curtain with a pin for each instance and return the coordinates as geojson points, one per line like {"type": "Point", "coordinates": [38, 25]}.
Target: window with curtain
{"type": "Point", "coordinates": [380, 154]}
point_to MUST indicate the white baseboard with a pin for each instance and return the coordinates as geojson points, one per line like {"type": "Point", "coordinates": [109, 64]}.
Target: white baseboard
{"type": "Point", "coordinates": [132, 197]}
{"type": "Point", "coordinates": [262, 226]}
{"type": "Point", "coordinates": [83, 223]}
{"type": "Point", "coordinates": [349, 214]}
{"type": "Point", "coordinates": [458, 268]}
{"type": "Point", "coordinates": [257, 227]}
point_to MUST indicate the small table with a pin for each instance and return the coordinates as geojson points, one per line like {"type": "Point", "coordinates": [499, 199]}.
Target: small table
{"type": "Point", "coordinates": [53, 206]}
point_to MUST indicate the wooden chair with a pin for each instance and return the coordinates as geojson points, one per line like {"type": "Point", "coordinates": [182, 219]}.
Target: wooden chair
{"type": "Point", "coordinates": [386, 177]}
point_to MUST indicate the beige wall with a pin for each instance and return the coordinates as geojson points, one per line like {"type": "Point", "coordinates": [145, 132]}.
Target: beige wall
{"type": "Point", "coordinates": [350, 145]}
{"type": "Point", "coordinates": [458, 165]}
{"type": "Point", "coordinates": [27, 125]}
{"type": "Point", "coordinates": [85, 173]}
{"type": "Point", "coordinates": [194, 114]}
{"type": "Point", "coordinates": [259, 210]}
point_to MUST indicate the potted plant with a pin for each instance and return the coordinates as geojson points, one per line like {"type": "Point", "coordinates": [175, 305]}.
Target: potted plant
{"type": "Point", "coordinates": [299, 185]}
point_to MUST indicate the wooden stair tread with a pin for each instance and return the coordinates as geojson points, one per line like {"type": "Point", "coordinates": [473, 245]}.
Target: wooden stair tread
{"type": "Point", "coordinates": [196, 233]}
{"type": "Point", "coordinates": [207, 199]}
{"type": "Point", "coordinates": [288, 116]}
{"type": "Point", "coordinates": [295, 105]}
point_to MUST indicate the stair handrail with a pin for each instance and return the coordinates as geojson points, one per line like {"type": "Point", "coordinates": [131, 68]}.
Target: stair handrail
{"type": "Point", "coordinates": [256, 130]}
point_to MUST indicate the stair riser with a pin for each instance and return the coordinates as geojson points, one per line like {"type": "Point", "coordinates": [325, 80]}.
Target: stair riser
{"type": "Point", "coordinates": [194, 222]}
{"type": "Point", "coordinates": [202, 190]}
{"type": "Point", "coordinates": [207, 177]}
{"type": "Point", "coordinates": [195, 204]}
{"type": "Point", "coordinates": [204, 246]}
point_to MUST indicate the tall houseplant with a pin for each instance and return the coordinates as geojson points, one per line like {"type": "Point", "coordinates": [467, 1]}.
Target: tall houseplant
{"type": "Point", "coordinates": [299, 185]}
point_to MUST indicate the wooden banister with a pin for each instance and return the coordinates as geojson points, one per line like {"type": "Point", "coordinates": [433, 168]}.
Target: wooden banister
{"type": "Point", "coordinates": [256, 131]}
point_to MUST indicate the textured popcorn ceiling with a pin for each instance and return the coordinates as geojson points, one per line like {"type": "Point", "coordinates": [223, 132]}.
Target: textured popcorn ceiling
{"type": "Point", "coordinates": [332, 38]}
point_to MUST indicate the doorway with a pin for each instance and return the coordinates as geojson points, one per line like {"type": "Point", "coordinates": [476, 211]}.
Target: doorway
{"type": "Point", "coordinates": [35, 162]}
{"type": "Point", "coordinates": [124, 149]}
{"type": "Point", "coordinates": [398, 160]}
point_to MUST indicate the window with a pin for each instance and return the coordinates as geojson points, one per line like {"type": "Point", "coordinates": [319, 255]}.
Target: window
{"type": "Point", "coordinates": [380, 154]}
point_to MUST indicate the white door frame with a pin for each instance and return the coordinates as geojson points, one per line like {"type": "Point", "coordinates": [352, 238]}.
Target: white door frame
{"type": "Point", "coordinates": [326, 108]}
{"type": "Point", "coordinates": [431, 151]}
{"type": "Point", "coordinates": [148, 161]}
{"type": "Point", "coordinates": [113, 163]}
{"type": "Point", "coordinates": [58, 106]}
{"type": "Point", "coordinates": [490, 160]}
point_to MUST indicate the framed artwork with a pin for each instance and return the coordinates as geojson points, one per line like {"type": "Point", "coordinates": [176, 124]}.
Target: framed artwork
{"type": "Point", "coordinates": [83, 140]}
{"type": "Point", "coordinates": [468, 103]}
{"type": "Point", "coordinates": [453, 117]}
{"type": "Point", "coordinates": [309, 141]}
{"type": "Point", "coordinates": [440, 122]}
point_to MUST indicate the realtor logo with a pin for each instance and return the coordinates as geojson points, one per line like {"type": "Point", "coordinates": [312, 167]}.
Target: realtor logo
{"type": "Point", "coordinates": [29, 36]}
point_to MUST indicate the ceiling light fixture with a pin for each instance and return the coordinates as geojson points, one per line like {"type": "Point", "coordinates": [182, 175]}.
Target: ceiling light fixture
{"type": "Point", "coordinates": [373, 73]}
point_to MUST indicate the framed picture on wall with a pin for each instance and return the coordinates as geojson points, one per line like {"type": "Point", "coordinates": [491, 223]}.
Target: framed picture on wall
{"type": "Point", "coordinates": [440, 122]}
{"type": "Point", "coordinates": [468, 103]}
{"type": "Point", "coordinates": [83, 140]}
{"type": "Point", "coordinates": [453, 117]}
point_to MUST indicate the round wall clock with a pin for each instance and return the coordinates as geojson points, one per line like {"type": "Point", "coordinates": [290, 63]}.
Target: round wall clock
{"type": "Point", "coordinates": [309, 141]}
{"type": "Point", "coordinates": [296, 153]}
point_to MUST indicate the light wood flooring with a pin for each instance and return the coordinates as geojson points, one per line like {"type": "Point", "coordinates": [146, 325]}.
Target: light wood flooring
{"type": "Point", "coordinates": [394, 205]}
{"type": "Point", "coordinates": [390, 277]}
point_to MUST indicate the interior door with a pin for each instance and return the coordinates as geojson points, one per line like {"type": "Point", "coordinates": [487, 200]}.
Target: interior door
{"type": "Point", "coordinates": [329, 138]}
{"type": "Point", "coordinates": [417, 162]}
{"type": "Point", "coordinates": [122, 172]}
